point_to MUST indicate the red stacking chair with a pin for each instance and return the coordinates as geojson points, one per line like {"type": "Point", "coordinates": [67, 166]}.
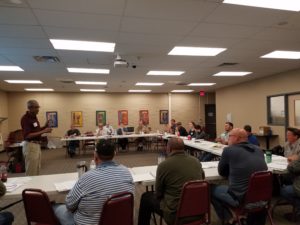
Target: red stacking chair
{"type": "Point", "coordinates": [38, 208]}
{"type": "Point", "coordinates": [258, 196]}
{"type": "Point", "coordinates": [194, 202]}
{"type": "Point", "coordinates": [118, 210]}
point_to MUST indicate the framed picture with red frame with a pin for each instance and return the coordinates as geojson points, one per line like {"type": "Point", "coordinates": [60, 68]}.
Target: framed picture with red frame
{"type": "Point", "coordinates": [144, 116]}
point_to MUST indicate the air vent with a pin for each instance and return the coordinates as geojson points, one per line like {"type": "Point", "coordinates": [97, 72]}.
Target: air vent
{"type": "Point", "coordinates": [47, 59]}
{"type": "Point", "coordinates": [228, 64]}
{"type": "Point", "coordinates": [66, 81]}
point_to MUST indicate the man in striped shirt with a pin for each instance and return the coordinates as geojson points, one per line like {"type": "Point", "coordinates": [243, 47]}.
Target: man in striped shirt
{"type": "Point", "coordinates": [85, 201]}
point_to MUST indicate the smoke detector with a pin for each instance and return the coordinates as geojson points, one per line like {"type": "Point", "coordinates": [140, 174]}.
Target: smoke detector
{"type": "Point", "coordinates": [120, 63]}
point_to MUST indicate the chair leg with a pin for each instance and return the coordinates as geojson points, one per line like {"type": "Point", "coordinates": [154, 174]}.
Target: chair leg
{"type": "Point", "coordinates": [154, 218]}
{"type": "Point", "coordinates": [270, 217]}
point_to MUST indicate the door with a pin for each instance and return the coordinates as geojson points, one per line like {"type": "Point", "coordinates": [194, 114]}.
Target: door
{"type": "Point", "coordinates": [210, 120]}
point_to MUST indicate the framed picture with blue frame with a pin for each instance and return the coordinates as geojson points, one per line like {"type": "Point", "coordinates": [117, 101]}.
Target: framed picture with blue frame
{"type": "Point", "coordinates": [52, 118]}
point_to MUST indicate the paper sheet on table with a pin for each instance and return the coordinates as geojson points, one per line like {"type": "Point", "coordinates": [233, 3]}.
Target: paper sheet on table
{"type": "Point", "coordinates": [142, 177]}
{"type": "Point", "coordinates": [277, 166]}
{"type": "Point", "coordinates": [212, 164]}
{"type": "Point", "coordinates": [13, 183]}
{"type": "Point", "coordinates": [65, 186]}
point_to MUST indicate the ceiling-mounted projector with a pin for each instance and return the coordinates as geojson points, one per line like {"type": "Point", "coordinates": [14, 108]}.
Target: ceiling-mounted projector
{"type": "Point", "coordinates": [120, 63]}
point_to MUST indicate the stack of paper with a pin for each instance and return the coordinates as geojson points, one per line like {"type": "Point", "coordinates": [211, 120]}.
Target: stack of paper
{"type": "Point", "coordinates": [277, 166]}
{"type": "Point", "coordinates": [211, 164]}
{"type": "Point", "coordinates": [65, 186]}
{"type": "Point", "coordinates": [142, 177]}
{"type": "Point", "coordinates": [10, 187]}
{"type": "Point", "coordinates": [13, 183]}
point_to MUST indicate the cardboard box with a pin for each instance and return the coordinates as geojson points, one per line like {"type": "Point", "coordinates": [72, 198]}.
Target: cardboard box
{"type": "Point", "coordinates": [264, 130]}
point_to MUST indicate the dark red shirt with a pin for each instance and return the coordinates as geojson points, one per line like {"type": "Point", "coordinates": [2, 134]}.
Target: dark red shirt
{"type": "Point", "coordinates": [30, 124]}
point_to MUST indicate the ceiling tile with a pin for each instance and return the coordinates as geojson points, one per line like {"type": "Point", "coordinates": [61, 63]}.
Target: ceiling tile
{"type": "Point", "coordinates": [19, 31]}
{"type": "Point", "coordinates": [17, 16]}
{"type": "Point", "coordinates": [24, 43]}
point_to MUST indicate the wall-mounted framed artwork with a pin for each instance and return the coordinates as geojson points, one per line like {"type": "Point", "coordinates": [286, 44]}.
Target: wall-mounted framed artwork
{"type": "Point", "coordinates": [100, 117]}
{"type": "Point", "coordinates": [51, 116]}
{"type": "Point", "coordinates": [163, 116]}
{"type": "Point", "coordinates": [144, 116]}
{"type": "Point", "coordinates": [123, 117]}
{"type": "Point", "coordinates": [76, 118]}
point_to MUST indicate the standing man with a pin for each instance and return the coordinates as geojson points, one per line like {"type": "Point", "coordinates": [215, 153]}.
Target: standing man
{"type": "Point", "coordinates": [32, 132]}
{"type": "Point", "coordinates": [238, 162]}
{"type": "Point", "coordinates": [84, 203]}
{"type": "Point", "coordinates": [171, 175]}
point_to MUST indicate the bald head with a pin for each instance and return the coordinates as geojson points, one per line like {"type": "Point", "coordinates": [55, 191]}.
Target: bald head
{"type": "Point", "coordinates": [237, 135]}
{"type": "Point", "coordinates": [175, 144]}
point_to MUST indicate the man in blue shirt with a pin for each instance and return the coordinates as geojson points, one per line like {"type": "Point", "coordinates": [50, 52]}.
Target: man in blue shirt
{"type": "Point", "coordinates": [251, 138]}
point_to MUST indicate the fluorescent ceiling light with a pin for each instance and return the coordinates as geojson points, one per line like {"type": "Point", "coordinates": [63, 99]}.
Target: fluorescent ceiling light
{"type": "Point", "coordinates": [141, 91]}
{"type": "Point", "coordinates": [148, 84]}
{"type": "Point", "coordinates": [88, 70]}
{"type": "Point", "coordinates": [83, 45]}
{"type": "Point", "coordinates": [24, 81]}
{"type": "Point", "coordinates": [91, 82]}
{"type": "Point", "coordinates": [201, 84]}
{"type": "Point", "coordinates": [182, 91]}
{"type": "Point", "coordinates": [10, 68]}
{"type": "Point", "coordinates": [39, 89]}
{"type": "Point", "coordinates": [92, 90]}
{"type": "Point", "coordinates": [282, 55]}
{"type": "Point", "coordinates": [195, 51]}
{"type": "Point", "coordinates": [231, 74]}
{"type": "Point", "coordinates": [291, 5]}
{"type": "Point", "coordinates": [165, 73]}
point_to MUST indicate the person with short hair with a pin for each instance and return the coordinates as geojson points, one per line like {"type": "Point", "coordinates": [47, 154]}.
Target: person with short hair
{"type": "Point", "coordinates": [108, 129]}
{"type": "Point", "coordinates": [292, 145]}
{"type": "Point", "coordinates": [6, 218]}
{"type": "Point", "coordinates": [199, 132]}
{"type": "Point", "coordinates": [182, 131]}
{"type": "Point", "coordinates": [251, 138]}
{"type": "Point", "coordinates": [223, 138]}
{"type": "Point", "coordinates": [238, 162]}
{"type": "Point", "coordinates": [85, 201]}
{"type": "Point", "coordinates": [172, 128]}
{"type": "Point", "coordinates": [171, 175]}
{"type": "Point", "coordinates": [99, 130]}
{"type": "Point", "coordinates": [123, 142]}
{"type": "Point", "coordinates": [73, 132]}
{"type": "Point", "coordinates": [32, 133]}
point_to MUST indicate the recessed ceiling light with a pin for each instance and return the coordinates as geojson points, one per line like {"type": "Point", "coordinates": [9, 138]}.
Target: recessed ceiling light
{"type": "Point", "coordinates": [92, 90]}
{"type": "Point", "coordinates": [139, 91]}
{"type": "Point", "coordinates": [291, 5]}
{"type": "Point", "coordinates": [10, 68]}
{"type": "Point", "coordinates": [39, 89]}
{"type": "Point", "coordinates": [195, 51]}
{"type": "Point", "coordinates": [282, 55]}
{"type": "Point", "coordinates": [182, 91]}
{"type": "Point", "coordinates": [201, 84]}
{"type": "Point", "coordinates": [91, 82]}
{"type": "Point", "coordinates": [83, 45]}
{"type": "Point", "coordinates": [165, 73]}
{"type": "Point", "coordinates": [148, 84]}
{"type": "Point", "coordinates": [231, 74]}
{"type": "Point", "coordinates": [88, 70]}
{"type": "Point", "coordinates": [24, 81]}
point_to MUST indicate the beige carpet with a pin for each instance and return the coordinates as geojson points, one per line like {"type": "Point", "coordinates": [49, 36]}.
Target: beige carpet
{"type": "Point", "coordinates": [55, 161]}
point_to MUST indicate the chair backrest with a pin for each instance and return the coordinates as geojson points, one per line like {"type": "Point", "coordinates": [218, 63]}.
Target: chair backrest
{"type": "Point", "coordinates": [38, 208]}
{"type": "Point", "coordinates": [259, 188]}
{"type": "Point", "coordinates": [194, 202]}
{"type": "Point", "coordinates": [118, 209]}
{"type": "Point", "coordinates": [130, 129]}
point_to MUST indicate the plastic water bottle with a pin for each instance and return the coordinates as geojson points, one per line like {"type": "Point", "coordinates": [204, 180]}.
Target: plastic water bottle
{"type": "Point", "coordinates": [3, 171]}
{"type": "Point", "coordinates": [92, 165]}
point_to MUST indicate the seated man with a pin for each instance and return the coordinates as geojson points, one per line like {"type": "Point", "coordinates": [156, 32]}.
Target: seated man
{"type": "Point", "coordinates": [251, 138]}
{"type": "Point", "coordinates": [238, 162]}
{"type": "Point", "coordinates": [122, 141]}
{"type": "Point", "coordinates": [223, 138]}
{"type": "Point", "coordinates": [6, 218]}
{"type": "Point", "coordinates": [141, 129]}
{"type": "Point", "coordinates": [171, 175]}
{"type": "Point", "coordinates": [72, 144]}
{"type": "Point", "coordinates": [291, 192]}
{"type": "Point", "coordinates": [108, 129]}
{"type": "Point", "coordinates": [200, 133]}
{"type": "Point", "coordinates": [85, 201]}
{"type": "Point", "coordinates": [172, 127]}
{"type": "Point", "coordinates": [99, 130]}
{"type": "Point", "coordinates": [182, 131]}
{"type": "Point", "coordinates": [292, 146]}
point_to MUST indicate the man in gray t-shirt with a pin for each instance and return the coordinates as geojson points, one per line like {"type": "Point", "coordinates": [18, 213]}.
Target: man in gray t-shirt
{"type": "Point", "coordinates": [238, 161]}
